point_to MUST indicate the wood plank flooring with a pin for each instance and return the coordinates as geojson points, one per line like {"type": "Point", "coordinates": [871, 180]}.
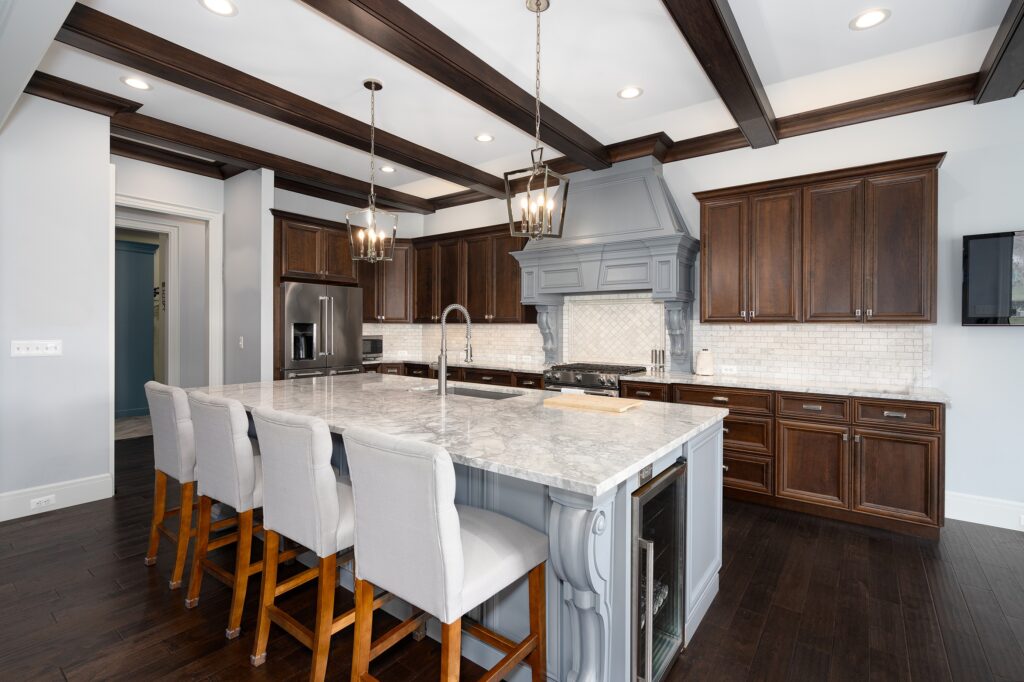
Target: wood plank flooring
{"type": "Point", "coordinates": [801, 598]}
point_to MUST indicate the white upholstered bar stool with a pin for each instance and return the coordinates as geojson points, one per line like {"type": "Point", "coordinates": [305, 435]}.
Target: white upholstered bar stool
{"type": "Point", "coordinates": [174, 456]}
{"type": "Point", "coordinates": [304, 502]}
{"type": "Point", "coordinates": [412, 540]}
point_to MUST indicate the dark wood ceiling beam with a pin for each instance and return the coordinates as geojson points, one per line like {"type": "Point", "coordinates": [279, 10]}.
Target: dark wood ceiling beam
{"type": "Point", "coordinates": [319, 192]}
{"type": "Point", "coordinates": [76, 95]}
{"type": "Point", "coordinates": [395, 28]}
{"type": "Point", "coordinates": [163, 157]}
{"type": "Point", "coordinates": [1002, 71]}
{"type": "Point", "coordinates": [105, 36]}
{"type": "Point", "coordinates": [147, 130]}
{"type": "Point", "coordinates": [712, 33]}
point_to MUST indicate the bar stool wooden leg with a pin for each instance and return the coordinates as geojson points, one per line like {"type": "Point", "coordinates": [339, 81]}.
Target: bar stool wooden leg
{"type": "Point", "coordinates": [268, 590]}
{"type": "Point", "coordinates": [184, 532]}
{"type": "Point", "coordinates": [326, 582]}
{"type": "Point", "coordinates": [363, 630]}
{"type": "Point", "coordinates": [195, 581]}
{"type": "Point", "coordinates": [538, 658]}
{"type": "Point", "coordinates": [243, 553]}
{"type": "Point", "coordinates": [159, 505]}
{"type": "Point", "coordinates": [451, 650]}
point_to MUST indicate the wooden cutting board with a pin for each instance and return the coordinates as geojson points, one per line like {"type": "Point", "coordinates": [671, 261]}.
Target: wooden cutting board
{"type": "Point", "coordinates": [600, 403]}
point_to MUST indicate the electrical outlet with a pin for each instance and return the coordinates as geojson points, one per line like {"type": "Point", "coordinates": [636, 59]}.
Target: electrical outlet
{"type": "Point", "coordinates": [40, 502]}
{"type": "Point", "coordinates": [729, 369]}
{"type": "Point", "coordinates": [37, 349]}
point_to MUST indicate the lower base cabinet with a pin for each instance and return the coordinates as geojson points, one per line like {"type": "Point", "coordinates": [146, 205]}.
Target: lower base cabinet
{"type": "Point", "coordinates": [896, 475]}
{"type": "Point", "coordinates": [744, 471]}
{"type": "Point", "coordinates": [814, 462]}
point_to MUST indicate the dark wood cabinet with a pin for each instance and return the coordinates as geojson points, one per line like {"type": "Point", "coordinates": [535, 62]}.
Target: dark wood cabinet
{"type": "Point", "coordinates": [422, 371]}
{"type": "Point", "coordinates": [339, 268]}
{"type": "Point", "coordinates": [388, 287]}
{"type": "Point", "coordinates": [833, 251]}
{"type": "Point", "coordinates": [853, 245]}
{"type": "Point", "coordinates": [526, 380]}
{"type": "Point", "coordinates": [813, 407]}
{"type": "Point", "coordinates": [737, 400]}
{"type": "Point", "coordinates": [300, 250]}
{"type": "Point", "coordinates": [644, 391]}
{"type": "Point", "coordinates": [749, 434]}
{"type": "Point", "coordinates": [490, 277]}
{"type": "Point", "coordinates": [896, 475]}
{"type": "Point", "coordinates": [313, 249]}
{"type": "Point", "coordinates": [495, 377]}
{"type": "Point", "coordinates": [437, 282]}
{"type": "Point", "coordinates": [900, 248]}
{"type": "Point", "coordinates": [748, 472]}
{"type": "Point", "coordinates": [424, 300]}
{"type": "Point", "coordinates": [813, 463]}
{"type": "Point", "coordinates": [477, 276]}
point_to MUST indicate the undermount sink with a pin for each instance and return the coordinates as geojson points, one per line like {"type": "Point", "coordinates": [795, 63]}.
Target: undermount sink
{"type": "Point", "coordinates": [471, 392]}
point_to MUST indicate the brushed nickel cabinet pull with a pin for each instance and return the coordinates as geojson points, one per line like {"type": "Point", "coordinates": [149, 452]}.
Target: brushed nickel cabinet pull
{"type": "Point", "coordinates": [751, 314]}
{"type": "Point", "coordinates": [529, 383]}
{"type": "Point", "coordinates": [743, 314]}
{"type": "Point", "coordinates": [894, 415]}
{"type": "Point", "coordinates": [392, 371]}
{"type": "Point", "coordinates": [720, 399]}
{"type": "Point", "coordinates": [856, 439]}
{"type": "Point", "coordinates": [725, 430]}
{"type": "Point", "coordinates": [857, 312]}
{"type": "Point", "coordinates": [417, 372]}
{"type": "Point", "coordinates": [487, 378]}
{"type": "Point", "coordinates": [646, 394]}
{"type": "Point", "coordinates": [725, 467]}
{"type": "Point", "coordinates": [869, 313]}
{"type": "Point", "coordinates": [812, 408]}
{"type": "Point", "coordinates": [846, 437]}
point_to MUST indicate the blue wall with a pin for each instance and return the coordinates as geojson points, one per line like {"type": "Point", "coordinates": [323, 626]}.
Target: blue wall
{"type": "Point", "coordinates": [133, 326]}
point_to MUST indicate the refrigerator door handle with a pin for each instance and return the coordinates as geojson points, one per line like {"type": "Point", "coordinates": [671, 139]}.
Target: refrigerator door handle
{"type": "Point", "coordinates": [323, 325]}
{"type": "Point", "coordinates": [332, 324]}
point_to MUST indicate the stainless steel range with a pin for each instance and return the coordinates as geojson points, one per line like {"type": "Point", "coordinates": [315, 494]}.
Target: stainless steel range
{"type": "Point", "coordinates": [591, 378]}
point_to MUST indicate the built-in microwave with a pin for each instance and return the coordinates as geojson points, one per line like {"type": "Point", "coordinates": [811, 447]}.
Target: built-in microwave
{"type": "Point", "coordinates": [373, 347]}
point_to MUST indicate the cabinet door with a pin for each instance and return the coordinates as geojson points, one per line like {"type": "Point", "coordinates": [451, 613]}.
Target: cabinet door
{"type": "Point", "coordinates": [368, 283]}
{"type": "Point", "coordinates": [505, 279]}
{"type": "Point", "coordinates": [300, 250]}
{"type": "Point", "coordinates": [337, 255]}
{"type": "Point", "coordinates": [896, 475]}
{"type": "Point", "coordinates": [424, 305]}
{"type": "Point", "coordinates": [395, 284]}
{"type": "Point", "coordinates": [478, 275]}
{"type": "Point", "coordinates": [813, 463]}
{"type": "Point", "coordinates": [774, 257]}
{"type": "Point", "coordinates": [723, 260]}
{"type": "Point", "coordinates": [833, 258]}
{"type": "Point", "coordinates": [900, 234]}
{"type": "Point", "coordinates": [449, 277]}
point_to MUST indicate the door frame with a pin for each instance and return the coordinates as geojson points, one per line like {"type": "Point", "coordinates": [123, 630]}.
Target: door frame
{"type": "Point", "coordinates": [214, 271]}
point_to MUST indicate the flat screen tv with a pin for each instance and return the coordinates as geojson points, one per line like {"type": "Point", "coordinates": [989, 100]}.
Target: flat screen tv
{"type": "Point", "coordinates": [994, 279]}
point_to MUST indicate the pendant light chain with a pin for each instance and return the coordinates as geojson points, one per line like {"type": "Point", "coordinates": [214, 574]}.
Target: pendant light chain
{"type": "Point", "coordinates": [536, 132]}
{"type": "Point", "coordinates": [373, 161]}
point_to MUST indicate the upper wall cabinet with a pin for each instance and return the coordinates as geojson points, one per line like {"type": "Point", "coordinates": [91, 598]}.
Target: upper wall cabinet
{"type": "Point", "coordinates": [855, 245]}
{"type": "Point", "coordinates": [438, 281]}
{"type": "Point", "coordinates": [388, 287]}
{"type": "Point", "coordinates": [312, 249]}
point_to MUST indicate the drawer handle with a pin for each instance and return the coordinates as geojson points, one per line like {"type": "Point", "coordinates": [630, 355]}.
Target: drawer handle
{"type": "Point", "coordinates": [392, 371]}
{"type": "Point", "coordinates": [529, 383]}
{"type": "Point", "coordinates": [418, 372]}
{"type": "Point", "coordinates": [813, 408]}
{"type": "Point", "coordinates": [487, 378]}
{"type": "Point", "coordinates": [720, 399]}
{"type": "Point", "coordinates": [725, 430]}
{"type": "Point", "coordinates": [725, 467]}
{"type": "Point", "coordinates": [894, 415]}
{"type": "Point", "coordinates": [646, 394]}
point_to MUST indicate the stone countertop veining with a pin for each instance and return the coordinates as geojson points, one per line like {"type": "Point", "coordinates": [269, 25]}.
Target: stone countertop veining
{"type": "Point", "coordinates": [454, 361]}
{"type": "Point", "coordinates": [822, 386]}
{"type": "Point", "coordinates": [576, 450]}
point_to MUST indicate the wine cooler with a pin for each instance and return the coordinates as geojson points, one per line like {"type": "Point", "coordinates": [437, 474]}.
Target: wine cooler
{"type": "Point", "coordinates": [659, 564]}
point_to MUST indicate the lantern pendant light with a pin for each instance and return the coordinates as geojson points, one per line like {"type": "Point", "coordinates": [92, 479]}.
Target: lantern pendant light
{"type": "Point", "coordinates": [372, 231]}
{"type": "Point", "coordinates": [536, 196]}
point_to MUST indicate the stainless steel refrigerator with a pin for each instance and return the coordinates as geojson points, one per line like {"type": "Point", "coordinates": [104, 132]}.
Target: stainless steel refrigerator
{"type": "Point", "coordinates": [323, 329]}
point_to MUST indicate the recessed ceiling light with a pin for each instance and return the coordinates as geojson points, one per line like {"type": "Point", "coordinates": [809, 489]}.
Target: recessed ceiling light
{"type": "Point", "coordinates": [387, 169]}
{"type": "Point", "coordinates": [484, 137]}
{"type": "Point", "coordinates": [631, 92]}
{"type": "Point", "coordinates": [136, 82]}
{"type": "Point", "coordinates": [224, 8]}
{"type": "Point", "coordinates": [869, 19]}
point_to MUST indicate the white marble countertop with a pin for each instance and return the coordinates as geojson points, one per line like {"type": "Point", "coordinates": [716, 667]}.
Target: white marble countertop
{"type": "Point", "coordinates": [455, 360]}
{"type": "Point", "coordinates": [823, 386]}
{"type": "Point", "coordinates": [576, 450]}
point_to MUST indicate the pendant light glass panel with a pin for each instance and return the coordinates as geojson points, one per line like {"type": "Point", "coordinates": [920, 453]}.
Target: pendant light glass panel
{"type": "Point", "coordinates": [371, 233]}
{"type": "Point", "coordinates": [536, 198]}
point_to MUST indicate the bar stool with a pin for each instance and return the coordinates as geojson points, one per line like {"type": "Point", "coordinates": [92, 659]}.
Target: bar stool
{"type": "Point", "coordinates": [304, 502]}
{"type": "Point", "coordinates": [174, 456]}
{"type": "Point", "coordinates": [445, 559]}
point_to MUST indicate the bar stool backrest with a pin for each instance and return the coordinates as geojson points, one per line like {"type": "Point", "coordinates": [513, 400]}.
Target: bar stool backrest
{"type": "Point", "coordinates": [407, 535]}
{"type": "Point", "coordinates": [300, 491]}
{"type": "Point", "coordinates": [224, 455]}
{"type": "Point", "coordinates": [174, 451]}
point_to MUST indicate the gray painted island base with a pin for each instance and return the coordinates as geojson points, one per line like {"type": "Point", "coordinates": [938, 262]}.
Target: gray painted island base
{"type": "Point", "coordinates": [513, 456]}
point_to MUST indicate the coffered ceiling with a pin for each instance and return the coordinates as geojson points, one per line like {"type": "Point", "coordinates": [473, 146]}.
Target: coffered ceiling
{"type": "Point", "coordinates": [804, 52]}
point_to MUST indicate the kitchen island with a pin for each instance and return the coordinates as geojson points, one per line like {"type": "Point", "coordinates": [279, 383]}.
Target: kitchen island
{"type": "Point", "coordinates": [569, 473]}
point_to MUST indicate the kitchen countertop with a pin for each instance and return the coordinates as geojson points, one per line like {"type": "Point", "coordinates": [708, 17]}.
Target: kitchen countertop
{"type": "Point", "coordinates": [823, 386]}
{"type": "Point", "coordinates": [580, 451]}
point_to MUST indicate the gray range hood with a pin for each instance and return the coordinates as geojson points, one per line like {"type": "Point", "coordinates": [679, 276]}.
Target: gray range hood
{"type": "Point", "coordinates": [623, 233]}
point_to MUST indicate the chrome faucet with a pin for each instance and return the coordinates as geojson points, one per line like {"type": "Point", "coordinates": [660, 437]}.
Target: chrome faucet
{"type": "Point", "coordinates": [442, 359]}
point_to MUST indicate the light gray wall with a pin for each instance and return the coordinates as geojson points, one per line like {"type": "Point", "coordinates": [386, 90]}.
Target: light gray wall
{"type": "Point", "coordinates": [56, 259]}
{"type": "Point", "coordinates": [148, 181]}
{"type": "Point", "coordinates": [248, 276]}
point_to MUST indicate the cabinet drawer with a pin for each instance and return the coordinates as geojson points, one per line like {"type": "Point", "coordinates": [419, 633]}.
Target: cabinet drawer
{"type": "Point", "coordinates": [736, 399]}
{"type": "Point", "coordinates": [454, 374]}
{"type": "Point", "coordinates": [916, 416]}
{"type": "Point", "coordinates": [389, 368]}
{"type": "Point", "coordinates": [487, 376]}
{"type": "Point", "coordinates": [658, 392]}
{"type": "Point", "coordinates": [804, 406]}
{"type": "Point", "coordinates": [418, 370]}
{"type": "Point", "coordinates": [529, 380]}
{"type": "Point", "coordinates": [745, 471]}
{"type": "Point", "coordinates": [750, 434]}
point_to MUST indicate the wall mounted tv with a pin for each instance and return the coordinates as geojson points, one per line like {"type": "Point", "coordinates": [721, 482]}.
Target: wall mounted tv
{"type": "Point", "coordinates": [993, 292]}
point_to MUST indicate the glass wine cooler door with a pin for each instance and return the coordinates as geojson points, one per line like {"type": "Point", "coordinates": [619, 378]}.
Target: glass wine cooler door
{"type": "Point", "coordinates": [659, 562]}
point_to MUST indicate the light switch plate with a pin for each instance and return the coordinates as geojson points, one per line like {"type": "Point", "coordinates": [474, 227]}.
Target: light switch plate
{"type": "Point", "coordinates": [37, 349]}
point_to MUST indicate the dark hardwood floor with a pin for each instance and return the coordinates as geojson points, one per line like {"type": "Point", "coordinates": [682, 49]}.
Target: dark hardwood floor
{"type": "Point", "coordinates": [801, 598]}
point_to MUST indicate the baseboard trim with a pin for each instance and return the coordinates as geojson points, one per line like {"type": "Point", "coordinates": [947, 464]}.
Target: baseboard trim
{"type": "Point", "coordinates": [990, 511]}
{"type": "Point", "coordinates": [15, 504]}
